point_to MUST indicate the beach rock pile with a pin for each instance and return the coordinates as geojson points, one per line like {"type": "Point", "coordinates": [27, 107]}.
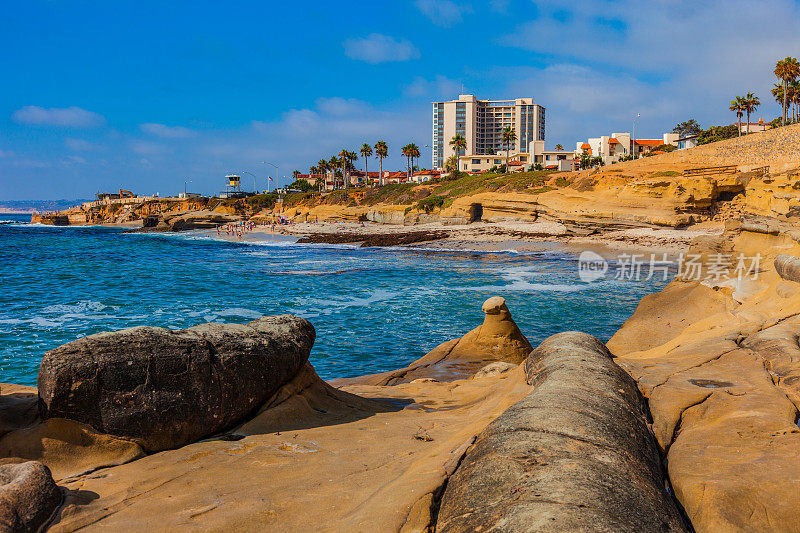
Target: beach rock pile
{"type": "Point", "coordinates": [185, 221]}
{"type": "Point", "coordinates": [575, 455]}
{"type": "Point", "coordinates": [497, 339]}
{"type": "Point", "coordinates": [164, 389]}
{"type": "Point", "coordinates": [374, 239]}
{"type": "Point", "coordinates": [28, 496]}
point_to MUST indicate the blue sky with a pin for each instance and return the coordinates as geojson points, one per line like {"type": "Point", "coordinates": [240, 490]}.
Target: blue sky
{"type": "Point", "coordinates": [141, 95]}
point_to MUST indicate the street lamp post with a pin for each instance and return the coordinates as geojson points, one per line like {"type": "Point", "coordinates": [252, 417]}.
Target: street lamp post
{"type": "Point", "coordinates": [276, 173]}
{"type": "Point", "coordinates": [633, 140]}
{"type": "Point", "coordinates": [255, 186]}
{"type": "Point", "coordinates": [184, 186]}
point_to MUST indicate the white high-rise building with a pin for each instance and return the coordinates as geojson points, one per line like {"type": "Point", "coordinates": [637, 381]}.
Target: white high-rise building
{"type": "Point", "coordinates": [481, 122]}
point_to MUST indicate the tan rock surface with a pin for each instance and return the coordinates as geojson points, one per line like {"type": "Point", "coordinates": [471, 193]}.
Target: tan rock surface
{"type": "Point", "coordinates": [723, 389]}
{"type": "Point", "coordinates": [318, 459]}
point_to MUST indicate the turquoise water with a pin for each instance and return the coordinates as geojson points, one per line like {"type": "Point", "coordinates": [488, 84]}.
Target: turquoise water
{"type": "Point", "coordinates": [373, 309]}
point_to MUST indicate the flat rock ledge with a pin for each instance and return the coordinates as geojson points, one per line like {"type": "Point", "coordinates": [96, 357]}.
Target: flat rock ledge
{"type": "Point", "coordinates": [163, 389]}
{"type": "Point", "coordinates": [575, 455]}
{"type": "Point", "coordinates": [29, 497]}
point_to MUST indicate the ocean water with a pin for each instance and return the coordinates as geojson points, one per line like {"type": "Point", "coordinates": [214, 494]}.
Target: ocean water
{"type": "Point", "coordinates": [373, 309]}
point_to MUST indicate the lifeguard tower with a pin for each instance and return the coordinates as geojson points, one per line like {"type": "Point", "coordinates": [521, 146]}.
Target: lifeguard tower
{"type": "Point", "coordinates": [234, 187]}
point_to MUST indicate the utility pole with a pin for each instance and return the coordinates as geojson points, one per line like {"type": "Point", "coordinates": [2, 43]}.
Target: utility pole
{"type": "Point", "coordinates": [633, 140]}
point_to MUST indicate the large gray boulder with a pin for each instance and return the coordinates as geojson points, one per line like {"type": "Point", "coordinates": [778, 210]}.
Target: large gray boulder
{"type": "Point", "coordinates": [29, 497]}
{"type": "Point", "coordinates": [163, 388]}
{"type": "Point", "coordinates": [575, 455]}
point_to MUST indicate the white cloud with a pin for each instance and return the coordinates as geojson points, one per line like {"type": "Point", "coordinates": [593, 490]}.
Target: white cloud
{"type": "Point", "coordinates": [439, 87]}
{"type": "Point", "coordinates": [376, 48]}
{"type": "Point", "coordinates": [166, 132]}
{"type": "Point", "coordinates": [627, 57]}
{"type": "Point", "coordinates": [6, 153]}
{"type": "Point", "coordinates": [149, 148]}
{"type": "Point", "coordinates": [341, 106]}
{"type": "Point", "coordinates": [443, 12]}
{"type": "Point", "coordinates": [499, 6]}
{"type": "Point", "coordinates": [82, 145]}
{"type": "Point", "coordinates": [70, 117]}
{"type": "Point", "coordinates": [73, 159]}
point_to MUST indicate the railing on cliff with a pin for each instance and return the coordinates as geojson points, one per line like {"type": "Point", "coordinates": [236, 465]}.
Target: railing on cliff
{"type": "Point", "coordinates": [707, 171]}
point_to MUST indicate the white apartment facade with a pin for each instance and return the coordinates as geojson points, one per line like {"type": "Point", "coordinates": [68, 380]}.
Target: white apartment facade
{"type": "Point", "coordinates": [612, 147]}
{"type": "Point", "coordinates": [481, 122]}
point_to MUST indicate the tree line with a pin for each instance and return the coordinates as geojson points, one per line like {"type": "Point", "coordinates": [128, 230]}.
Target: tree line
{"type": "Point", "coordinates": [342, 164]}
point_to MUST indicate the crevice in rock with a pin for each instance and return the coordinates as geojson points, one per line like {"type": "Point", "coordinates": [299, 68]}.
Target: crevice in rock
{"type": "Point", "coordinates": [438, 492]}
{"type": "Point", "coordinates": [678, 426]}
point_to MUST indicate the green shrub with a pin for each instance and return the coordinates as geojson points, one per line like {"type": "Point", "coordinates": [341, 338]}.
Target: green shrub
{"type": "Point", "coordinates": [431, 202]}
{"type": "Point", "coordinates": [300, 185]}
{"type": "Point", "coordinates": [257, 202]}
{"type": "Point", "coordinates": [718, 133]}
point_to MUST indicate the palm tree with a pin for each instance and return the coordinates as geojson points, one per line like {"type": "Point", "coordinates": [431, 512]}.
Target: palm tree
{"type": "Point", "coordinates": [350, 158]}
{"type": "Point", "coordinates": [407, 151]}
{"type": "Point", "coordinates": [346, 158]}
{"type": "Point", "coordinates": [559, 147]}
{"type": "Point", "coordinates": [458, 142]}
{"type": "Point", "coordinates": [381, 151]}
{"type": "Point", "coordinates": [414, 154]}
{"type": "Point", "coordinates": [343, 163]}
{"type": "Point", "coordinates": [322, 165]}
{"type": "Point", "coordinates": [366, 151]}
{"type": "Point", "coordinates": [333, 164]}
{"type": "Point", "coordinates": [787, 69]}
{"type": "Point", "coordinates": [737, 105]}
{"type": "Point", "coordinates": [777, 92]}
{"type": "Point", "coordinates": [794, 98]}
{"type": "Point", "coordinates": [751, 103]}
{"type": "Point", "coordinates": [508, 137]}
{"type": "Point", "coordinates": [451, 165]}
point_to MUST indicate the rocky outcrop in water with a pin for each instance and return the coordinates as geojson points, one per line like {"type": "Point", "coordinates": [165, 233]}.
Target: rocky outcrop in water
{"type": "Point", "coordinates": [497, 339]}
{"type": "Point", "coordinates": [575, 455]}
{"type": "Point", "coordinates": [185, 221]}
{"type": "Point", "coordinates": [28, 497]}
{"type": "Point", "coordinates": [374, 239]}
{"type": "Point", "coordinates": [162, 388]}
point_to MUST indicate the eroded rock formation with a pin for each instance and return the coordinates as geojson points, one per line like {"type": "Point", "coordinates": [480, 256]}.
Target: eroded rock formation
{"type": "Point", "coordinates": [576, 454]}
{"type": "Point", "coordinates": [497, 339]}
{"type": "Point", "coordinates": [162, 388]}
{"type": "Point", "coordinates": [724, 386]}
{"type": "Point", "coordinates": [28, 497]}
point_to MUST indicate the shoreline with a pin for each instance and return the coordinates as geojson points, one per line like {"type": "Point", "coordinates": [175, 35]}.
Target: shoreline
{"type": "Point", "coordinates": [509, 236]}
